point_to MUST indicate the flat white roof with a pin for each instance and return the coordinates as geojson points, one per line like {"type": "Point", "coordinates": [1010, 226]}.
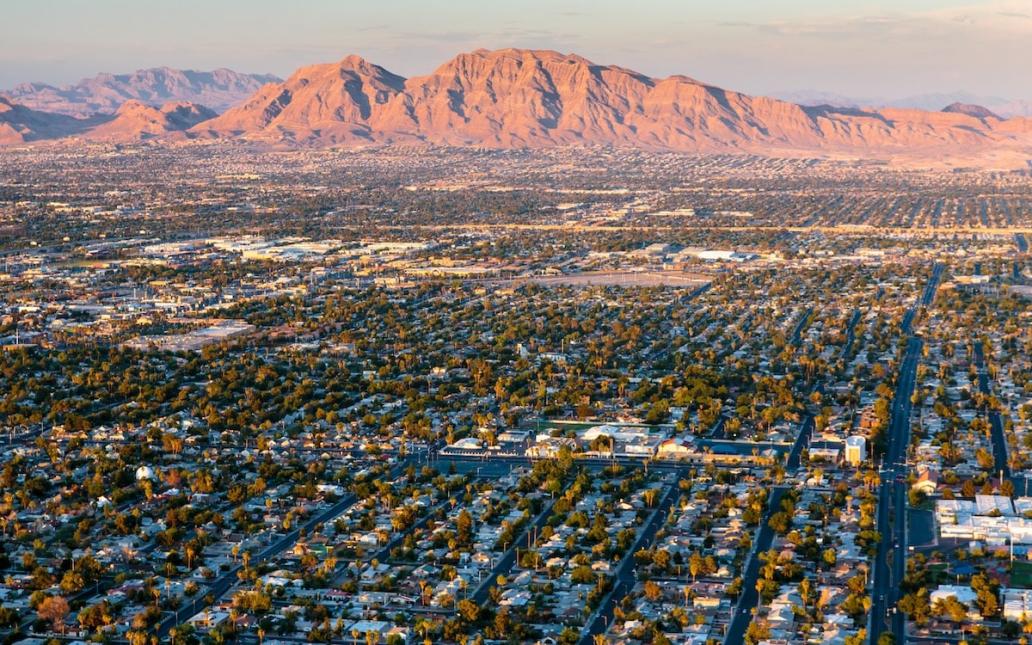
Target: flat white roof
{"type": "Point", "coordinates": [986, 504]}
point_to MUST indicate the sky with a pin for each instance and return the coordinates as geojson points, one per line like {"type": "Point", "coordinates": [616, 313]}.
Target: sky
{"type": "Point", "coordinates": [856, 48]}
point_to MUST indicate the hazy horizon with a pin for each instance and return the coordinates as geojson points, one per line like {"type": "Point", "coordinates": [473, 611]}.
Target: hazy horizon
{"type": "Point", "coordinates": [865, 48]}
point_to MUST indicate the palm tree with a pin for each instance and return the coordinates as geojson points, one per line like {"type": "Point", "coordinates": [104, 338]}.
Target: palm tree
{"type": "Point", "coordinates": [695, 565]}
{"type": "Point", "coordinates": [805, 592]}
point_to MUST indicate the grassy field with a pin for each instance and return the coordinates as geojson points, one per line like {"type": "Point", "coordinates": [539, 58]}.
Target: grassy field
{"type": "Point", "coordinates": [1021, 574]}
{"type": "Point", "coordinates": [927, 504]}
{"type": "Point", "coordinates": [939, 572]}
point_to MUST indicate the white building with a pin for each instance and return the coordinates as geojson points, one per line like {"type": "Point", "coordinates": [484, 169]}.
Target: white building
{"type": "Point", "coordinates": [856, 450]}
{"type": "Point", "coordinates": [963, 594]}
{"type": "Point", "coordinates": [999, 505]}
{"type": "Point", "coordinates": [1017, 604]}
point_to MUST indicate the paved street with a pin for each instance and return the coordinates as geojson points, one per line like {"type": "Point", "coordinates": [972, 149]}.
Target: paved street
{"type": "Point", "coordinates": [797, 331]}
{"type": "Point", "coordinates": [764, 537]}
{"type": "Point", "coordinates": [851, 333]}
{"type": "Point", "coordinates": [749, 599]}
{"type": "Point", "coordinates": [224, 582]}
{"type": "Point", "coordinates": [890, 561]}
{"type": "Point", "coordinates": [508, 559]}
{"type": "Point", "coordinates": [1001, 464]}
{"type": "Point", "coordinates": [624, 579]}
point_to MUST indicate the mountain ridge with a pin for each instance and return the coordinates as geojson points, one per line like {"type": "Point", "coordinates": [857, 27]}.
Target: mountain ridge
{"type": "Point", "coordinates": [971, 109]}
{"type": "Point", "coordinates": [20, 124]}
{"type": "Point", "coordinates": [534, 98]}
{"type": "Point", "coordinates": [104, 93]}
{"type": "Point", "coordinates": [133, 122]}
{"type": "Point", "coordinates": [137, 121]}
{"type": "Point", "coordinates": [521, 98]}
{"type": "Point", "coordinates": [1004, 108]}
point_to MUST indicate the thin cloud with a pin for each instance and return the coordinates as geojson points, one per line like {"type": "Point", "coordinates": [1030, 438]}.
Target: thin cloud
{"type": "Point", "coordinates": [974, 19]}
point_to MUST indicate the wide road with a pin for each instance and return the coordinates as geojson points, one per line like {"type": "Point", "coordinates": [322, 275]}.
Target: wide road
{"type": "Point", "coordinates": [890, 561]}
{"type": "Point", "coordinates": [624, 580]}
{"type": "Point", "coordinates": [933, 285]}
{"type": "Point", "coordinates": [892, 503]}
{"type": "Point", "coordinates": [663, 352]}
{"type": "Point", "coordinates": [744, 451]}
{"type": "Point", "coordinates": [795, 456]}
{"type": "Point", "coordinates": [925, 232]}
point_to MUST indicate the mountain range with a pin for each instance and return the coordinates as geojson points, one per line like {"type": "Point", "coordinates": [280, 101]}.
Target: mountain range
{"type": "Point", "coordinates": [1005, 108]}
{"type": "Point", "coordinates": [105, 93]}
{"type": "Point", "coordinates": [132, 122]}
{"type": "Point", "coordinates": [516, 98]}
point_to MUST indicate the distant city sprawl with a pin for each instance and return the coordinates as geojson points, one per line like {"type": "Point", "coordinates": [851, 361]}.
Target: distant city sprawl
{"type": "Point", "coordinates": [436, 395]}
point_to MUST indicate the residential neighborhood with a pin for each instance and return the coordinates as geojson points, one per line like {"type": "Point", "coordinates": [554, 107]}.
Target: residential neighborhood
{"type": "Point", "coordinates": [594, 411]}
